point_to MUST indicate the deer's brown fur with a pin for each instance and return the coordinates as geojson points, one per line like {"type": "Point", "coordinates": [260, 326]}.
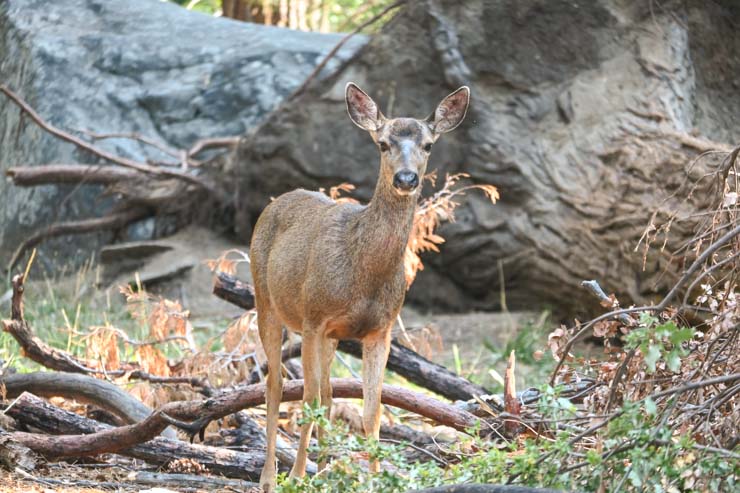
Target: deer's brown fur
{"type": "Point", "coordinates": [333, 271]}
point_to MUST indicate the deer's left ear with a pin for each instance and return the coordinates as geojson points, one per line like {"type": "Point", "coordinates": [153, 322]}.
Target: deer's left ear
{"type": "Point", "coordinates": [451, 111]}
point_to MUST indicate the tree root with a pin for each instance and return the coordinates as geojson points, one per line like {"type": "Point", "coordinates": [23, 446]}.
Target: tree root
{"type": "Point", "coordinates": [121, 161]}
{"type": "Point", "coordinates": [141, 189]}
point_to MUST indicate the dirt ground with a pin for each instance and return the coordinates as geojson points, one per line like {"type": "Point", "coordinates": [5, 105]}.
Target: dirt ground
{"type": "Point", "coordinates": [68, 478]}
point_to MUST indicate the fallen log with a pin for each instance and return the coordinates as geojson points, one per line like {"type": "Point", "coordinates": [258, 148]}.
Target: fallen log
{"type": "Point", "coordinates": [231, 289]}
{"type": "Point", "coordinates": [417, 369]}
{"type": "Point", "coordinates": [401, 360]}
{"type": "Point", "coordinates": [82, 388]}
{"type": "Point", "coordinates": [192, 481]}
{"type": "Point", "coordinates": [34, 412]}
{"type": "Point", "coordinates": [193, 416]}
{"type": "Point", "coordinates": [14, 454]}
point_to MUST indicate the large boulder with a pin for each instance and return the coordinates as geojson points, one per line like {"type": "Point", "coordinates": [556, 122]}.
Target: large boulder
{"type": "Point", "coordinates": [586, 115]}
{"type": "Point", "coordinates": [140, 66]}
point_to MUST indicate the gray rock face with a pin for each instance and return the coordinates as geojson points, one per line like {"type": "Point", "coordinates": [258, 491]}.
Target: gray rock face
{"type": "Point", "coordinates": [140, 66]}
{"type": "Point", "coordinates": [577, 113]}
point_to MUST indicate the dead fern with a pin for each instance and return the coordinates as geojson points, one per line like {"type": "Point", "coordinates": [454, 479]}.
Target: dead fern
{"type": "Point", "coordinates": [431, 212]}
{"type": "Point", "coordinates": [225, 263]}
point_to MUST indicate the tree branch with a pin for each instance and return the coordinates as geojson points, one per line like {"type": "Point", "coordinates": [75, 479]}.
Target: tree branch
{"type": "Point", "coordinates": [53, 174]}
{"type": "Point", "coordinates": [111, 221]}
{"type": "Point", "coordinates": [122, 161]}
{"type": "Point", "coordinates": [338, 46]}
{"type": "Point", "coordinates": [100, 393]}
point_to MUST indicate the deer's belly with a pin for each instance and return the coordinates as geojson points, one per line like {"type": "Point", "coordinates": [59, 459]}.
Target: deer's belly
{"type": "Point", "coordinates": [360, 323]}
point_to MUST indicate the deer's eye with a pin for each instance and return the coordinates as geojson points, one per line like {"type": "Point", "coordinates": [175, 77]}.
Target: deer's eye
{"type": "Point", "coordinates": [384, 147]}
{"type": "Point", "coordinates": [427, 147]}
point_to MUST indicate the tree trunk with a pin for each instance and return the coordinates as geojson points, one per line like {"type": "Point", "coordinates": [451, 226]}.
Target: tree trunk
{"type": "Point", "coordinates": [587, 117]}
{"type": "Point", "coordinates": [236, 9]}
{"type": "Point", "coordinates": [324, 25]}
{"type": "Point", "coordinates": [267, 12]}
{"type": "Point", "coordinates": [283, 13]}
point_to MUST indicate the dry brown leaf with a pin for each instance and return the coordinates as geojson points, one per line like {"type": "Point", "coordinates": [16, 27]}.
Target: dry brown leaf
{"type": "Point", "coordinates": [102, 347]}
{"type": "Point", "coordinates": [224, 263]}
{"type": "Point", "coordinates": [237, 338]}
{"type": "Point", "coordinates": [152, 360]}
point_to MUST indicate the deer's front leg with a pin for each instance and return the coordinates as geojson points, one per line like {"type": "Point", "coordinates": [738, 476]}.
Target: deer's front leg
{"type": "Point", "coordinates": [328, 348]}
{"type": "Point", "coordinates": [374, 356]}
{"type": "Point", "coordinates": [311, 379]}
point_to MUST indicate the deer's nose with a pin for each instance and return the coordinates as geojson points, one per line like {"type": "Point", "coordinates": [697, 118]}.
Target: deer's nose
{"type": "Point", "coordinates": [405, 180]}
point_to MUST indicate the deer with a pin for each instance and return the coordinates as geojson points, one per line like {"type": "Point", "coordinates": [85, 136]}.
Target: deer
{"type": "Point", "coordinates": [333, 271]}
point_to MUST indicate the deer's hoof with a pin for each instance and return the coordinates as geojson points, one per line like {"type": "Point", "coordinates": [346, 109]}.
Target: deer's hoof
{"type": "Point", "coordinates": [268, 486]}
{"type": "Point", "coordinates": [268, 481]}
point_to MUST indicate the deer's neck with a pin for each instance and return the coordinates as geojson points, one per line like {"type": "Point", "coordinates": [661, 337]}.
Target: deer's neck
{"type": "Point", "coordinates": [384, 228]}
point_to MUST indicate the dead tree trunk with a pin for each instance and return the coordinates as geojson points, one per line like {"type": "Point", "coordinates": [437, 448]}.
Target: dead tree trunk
{"type": "Point", "coordinates": [35, 412]}
{"type": "Point", "coordinates": [590, 133]}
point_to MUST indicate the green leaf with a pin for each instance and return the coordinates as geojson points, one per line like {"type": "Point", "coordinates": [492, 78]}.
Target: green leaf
{"type": "Point", "coordinates": [674, 360]}
{"type": "Point", "coordinates": [647, 319]}
{"type": "Point", "coordinates": [679, 336]}
{"type": "Point", "coordinates": [652, 356]}
{"type": "Point", "coordinates": [650, 407]}
{"type": "Point", "coordinates": [566, 404]}
{"type": "Point", "coordinates": [665, 330]}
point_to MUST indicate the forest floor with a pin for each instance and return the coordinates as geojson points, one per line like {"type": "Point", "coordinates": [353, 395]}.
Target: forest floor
{"type": "Point", "coordinates": [663, 399]}
{"type": "Point", "coordinates": [474, 345]}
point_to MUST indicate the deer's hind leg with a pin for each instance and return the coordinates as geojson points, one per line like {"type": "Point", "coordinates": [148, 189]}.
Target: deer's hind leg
{"type": "Point", "coordinates": [271, 334]}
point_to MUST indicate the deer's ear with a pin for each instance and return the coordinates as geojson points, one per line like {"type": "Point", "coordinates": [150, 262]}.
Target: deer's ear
{"type": "Point", "coordinates": [451, 111]}
{"type": "Point", "coordinates": [362, 109]}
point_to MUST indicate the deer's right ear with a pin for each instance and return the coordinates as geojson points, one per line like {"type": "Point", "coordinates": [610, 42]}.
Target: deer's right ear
{"type": "Point", "coordinates": [362, 109]}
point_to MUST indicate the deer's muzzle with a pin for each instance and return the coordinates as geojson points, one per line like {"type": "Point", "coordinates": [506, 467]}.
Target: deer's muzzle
{"type": "Point", "coordinates": [406, 180]}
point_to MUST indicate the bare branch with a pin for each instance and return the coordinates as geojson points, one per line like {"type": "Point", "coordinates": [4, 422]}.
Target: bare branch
{"type": "Point", "coordinates": [111, 221]}
{"type": "Point", "coordinates": [338, 46]}
{"type": "Point", "coordinates": [52, 174]}
{"type": "Point", "coordinates": [122, 161]}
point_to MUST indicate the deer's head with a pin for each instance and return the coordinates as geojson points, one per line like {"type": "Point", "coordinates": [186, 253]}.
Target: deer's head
{"type": "Point", "coordinates": [405, 143]}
